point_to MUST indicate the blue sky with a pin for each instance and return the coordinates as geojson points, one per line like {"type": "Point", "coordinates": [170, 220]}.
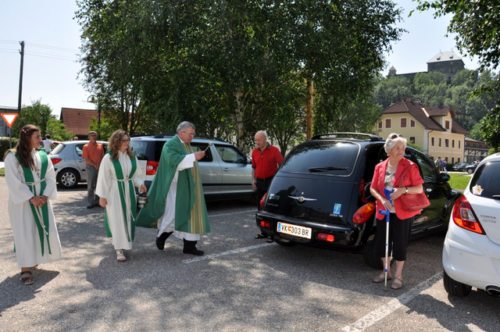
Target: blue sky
{"type": "Point", "coordinates": [52, 39]}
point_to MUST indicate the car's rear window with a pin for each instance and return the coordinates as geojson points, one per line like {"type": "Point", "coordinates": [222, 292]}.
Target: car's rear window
{"type": "Point", "coordinates": [323, 157]}
{"type": "Point", "coordinates": [147, 150]}
{"type": "Point", "coordinates": [486, 182]}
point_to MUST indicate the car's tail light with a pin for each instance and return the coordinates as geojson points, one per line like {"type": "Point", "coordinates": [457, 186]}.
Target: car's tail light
{"type": "Point", "coordinates": [364, 213]}
{"type": "Point", "coordinates": [263, 200]}
{"type": "Point", "coordinates": [464, 216]}
{"type": "Point", "coordinates": [55, 161]}
{"type": "Point", "coordinates": [151, 167]}
{"type": "Point", "coordinates": [265, 224]}
{"type": "Point", "coordinates": [325, 237]}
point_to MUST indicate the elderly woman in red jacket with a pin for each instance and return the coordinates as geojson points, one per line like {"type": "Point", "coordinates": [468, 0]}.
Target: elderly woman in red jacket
{"type": "Point", "coordinates": [402, 177]}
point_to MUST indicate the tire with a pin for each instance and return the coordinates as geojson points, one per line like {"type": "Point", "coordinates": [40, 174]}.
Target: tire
{"type": "Point", "coordinates": [68, 178]}
{"type": "Point", "coordinates": [284, 242]}
{"type": "Point", "coordinates": [455, 288]}
{"type": "Point", "coordinates": [470, 171]}
{"type": "Point", "coordinates": [370, 257]}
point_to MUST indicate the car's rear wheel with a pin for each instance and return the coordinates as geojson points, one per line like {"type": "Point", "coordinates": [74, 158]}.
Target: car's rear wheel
{"type": "Point", "coordinates": [67, 178]}
{"type": "Point", "coordinates": [370, 256]}
{"type": "Point", "coordinates": [454, 287]}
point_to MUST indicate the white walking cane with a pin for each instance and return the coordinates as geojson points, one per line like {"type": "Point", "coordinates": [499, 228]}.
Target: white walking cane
{"type": "Point", "coordinates": [387, 214]}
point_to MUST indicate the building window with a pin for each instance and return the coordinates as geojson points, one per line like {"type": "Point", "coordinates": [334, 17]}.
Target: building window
{"type": "Point", "coordinates": [440, 142]}
{"type": "Point", "coordinates": [458, 159]}
{"type": "Point", "coordinates": [388, 123]}
{"type": "Point", "coordinates": [452, 160]}
{"type": "Point", "coordinates": [432, 141]}
{"type": "Point", "coordinates": [412, 123]}
{"type": "Point", "coordinates": [446, 159]}
{"type": "Point", "coordinates": [380, 125]}
{"type": "Point", "coordinates": [452, 143]}
{"type": "Point", "coordinates": [403, 122]}
{"type": "Point", "coordinates": [446, 142]}
{"type": "Point", "coordinates": [412, 139]}
{"type": "Point", "coordinates": [459, 144]}
{"type": "Point", "coordinates": [447, 124]}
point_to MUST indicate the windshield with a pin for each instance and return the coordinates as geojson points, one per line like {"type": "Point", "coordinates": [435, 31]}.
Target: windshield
{"type": "Point", "coordinates": [322, 157]}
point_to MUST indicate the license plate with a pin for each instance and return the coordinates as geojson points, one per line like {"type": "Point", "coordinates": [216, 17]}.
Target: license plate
{"type": "Point", "coordinates": [299, 231]}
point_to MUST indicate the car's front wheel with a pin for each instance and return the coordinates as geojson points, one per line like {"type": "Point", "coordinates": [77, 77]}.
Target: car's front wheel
{"type": "Point", "coordinates": [67, 178]}
{"type": "Point", "coordinates": [470, 171]}
{"type": "Point", "coordinates": [454, 287]}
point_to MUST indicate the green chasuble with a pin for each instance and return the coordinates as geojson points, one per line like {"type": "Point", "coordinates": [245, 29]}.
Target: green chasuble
{"type": "Point", "coordinates": [190, 209]}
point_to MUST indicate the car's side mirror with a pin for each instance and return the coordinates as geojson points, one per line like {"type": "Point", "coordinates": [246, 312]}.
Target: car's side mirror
{"type": "Point", "coordinates": [443, 177]}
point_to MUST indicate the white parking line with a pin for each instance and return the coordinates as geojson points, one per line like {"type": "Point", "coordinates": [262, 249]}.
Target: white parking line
{"type": "Point", "coordinates": [232, 213]}
{"type": "Point", "coordinates": [393, 305]}
{"type": "Point", "coordinates": [225, 253]}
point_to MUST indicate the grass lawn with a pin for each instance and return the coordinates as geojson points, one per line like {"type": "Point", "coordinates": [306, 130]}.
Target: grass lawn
{"type": "Point", "coordinates": [2, 171]}
{"type": "Point", "coordinates": [459, 181]}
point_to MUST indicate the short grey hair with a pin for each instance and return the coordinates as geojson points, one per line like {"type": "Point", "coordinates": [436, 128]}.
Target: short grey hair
{"type": "Point", "coordinates": [392, 140]}
{"type": "Point", "coordinates": [261, 132]}
{"type": "Point", "coordinates": [185, 125]}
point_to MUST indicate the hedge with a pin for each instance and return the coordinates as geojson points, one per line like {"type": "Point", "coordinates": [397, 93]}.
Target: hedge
{"type": "Point", "coordinates": [4, 145]}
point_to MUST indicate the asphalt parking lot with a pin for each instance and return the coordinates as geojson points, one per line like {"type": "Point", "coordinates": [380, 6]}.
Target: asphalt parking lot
{"type": "Point", "coordinates": [240, 284]}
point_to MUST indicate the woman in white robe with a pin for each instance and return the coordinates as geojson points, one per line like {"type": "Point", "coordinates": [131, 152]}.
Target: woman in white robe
{"type": "Point", "coordinates": [109, 195]}
{"type": "Point", "coordinates": [28, 246]}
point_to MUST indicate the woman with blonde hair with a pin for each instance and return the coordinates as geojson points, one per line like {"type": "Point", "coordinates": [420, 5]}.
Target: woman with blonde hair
{"type": "Point", "coordinates": [119, 174]}
{"type": "Point", "coordinates": [31, 182]}
{"type": "Point", "coordinates": [398, 176]}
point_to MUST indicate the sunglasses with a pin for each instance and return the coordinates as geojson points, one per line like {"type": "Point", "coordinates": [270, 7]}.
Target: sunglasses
{"type": "Point", "coordinates": [395, 136]}
{"type": "Point", "coordinates": [125, 139]}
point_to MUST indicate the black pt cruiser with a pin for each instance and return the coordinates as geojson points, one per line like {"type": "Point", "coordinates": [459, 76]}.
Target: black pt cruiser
{"type": "Point", "coordinates": [320, 195]}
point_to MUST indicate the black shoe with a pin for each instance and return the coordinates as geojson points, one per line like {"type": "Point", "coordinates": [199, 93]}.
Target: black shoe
{"type": "Point", "coordinates": [190, 248]}
{"type": "Point", "coordinates": [260, 236]}
{"type": "Point", "coordinates": [160, 240]}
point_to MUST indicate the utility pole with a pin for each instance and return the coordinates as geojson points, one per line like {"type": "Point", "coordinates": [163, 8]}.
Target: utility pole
{"type": "Point", "coordinates": [21, 78]}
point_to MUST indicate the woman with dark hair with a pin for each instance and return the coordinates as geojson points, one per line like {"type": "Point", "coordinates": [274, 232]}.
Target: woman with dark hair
{"type": "Point", "coordinates": [398, 176]}
{"type": "Point", "coordinates": [118, 174]}
{"type": "Point", "coordinates": [31, 181]}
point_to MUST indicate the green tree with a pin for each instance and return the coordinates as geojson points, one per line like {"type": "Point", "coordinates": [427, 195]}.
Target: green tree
{"type": "Point", "coordinates": [219, 64]}
{"type": "Point", "coordinates": [37, 114]}
{"type": "Point", "coordinates": [475, 24]}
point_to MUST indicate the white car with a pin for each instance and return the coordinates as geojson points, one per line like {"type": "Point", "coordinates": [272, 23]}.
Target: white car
{"type": "Point", "coordinates": [471, 253]}
{"type": "Point", "coordinates": [69, 164]}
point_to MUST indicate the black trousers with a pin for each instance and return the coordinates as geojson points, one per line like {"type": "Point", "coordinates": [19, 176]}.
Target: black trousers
{"type": "Point", "coordinates": [399, 235]}
{"type": "Point", "coordinates": [262, 188]}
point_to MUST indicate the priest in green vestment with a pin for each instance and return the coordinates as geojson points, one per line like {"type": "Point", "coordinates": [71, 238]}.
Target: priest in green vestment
{"type": "Point", "coordinates": [175, 199]}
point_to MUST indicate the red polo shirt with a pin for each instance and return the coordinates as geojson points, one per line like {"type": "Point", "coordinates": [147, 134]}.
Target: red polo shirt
{"type": "Point", "coordinates": [266, 163]}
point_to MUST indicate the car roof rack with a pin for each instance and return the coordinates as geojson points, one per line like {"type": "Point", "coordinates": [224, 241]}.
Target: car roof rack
{"type": "Point", "coordinates": [351, 135]}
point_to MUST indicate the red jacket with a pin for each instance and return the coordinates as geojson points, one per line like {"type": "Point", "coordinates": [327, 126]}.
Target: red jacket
{"type": "Point", "coordinates": [411, 178]}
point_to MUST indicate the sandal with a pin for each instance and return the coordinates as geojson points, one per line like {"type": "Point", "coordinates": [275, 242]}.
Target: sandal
{"type": "Point", "coordinates": [26, 278]}
{"type": "Point", "coordinates": [397, 283]}
{"type": "Point", "coordinates": [120, 256]}
{"type": "Point", "coordinates": [380, 278]}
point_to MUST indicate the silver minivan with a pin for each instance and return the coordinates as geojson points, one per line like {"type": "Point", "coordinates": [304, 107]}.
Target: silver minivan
{"type": "Point", "coordinates": [226, 172]}
{"type": "Point", "coordinates": [69, 164]}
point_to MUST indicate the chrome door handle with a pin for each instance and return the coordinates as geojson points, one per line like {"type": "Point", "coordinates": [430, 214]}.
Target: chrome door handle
{"type": "Point", "coordinates": [429, 190]}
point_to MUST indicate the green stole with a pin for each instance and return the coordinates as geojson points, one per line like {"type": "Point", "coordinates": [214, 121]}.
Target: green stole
{"type": "Point", "coordinates": [190, 209]}
{"type": "Point", "coordinates": [121, 180]}
{"type": "Point", "coordinates": [40, 214]}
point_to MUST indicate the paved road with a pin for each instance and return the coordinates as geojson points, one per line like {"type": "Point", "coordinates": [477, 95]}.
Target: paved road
{"type": "Point", "coordinates": [241, 284]}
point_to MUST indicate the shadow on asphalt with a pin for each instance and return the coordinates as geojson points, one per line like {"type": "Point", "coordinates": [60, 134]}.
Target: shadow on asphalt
{"type": "Point", "coordinates": [451, 317]}
{"type": "Point", "coordinates": [14, 292]}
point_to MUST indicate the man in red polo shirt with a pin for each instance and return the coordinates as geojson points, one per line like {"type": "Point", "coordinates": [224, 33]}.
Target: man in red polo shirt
{"type": "Point", "coordinates": [266, 159]}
